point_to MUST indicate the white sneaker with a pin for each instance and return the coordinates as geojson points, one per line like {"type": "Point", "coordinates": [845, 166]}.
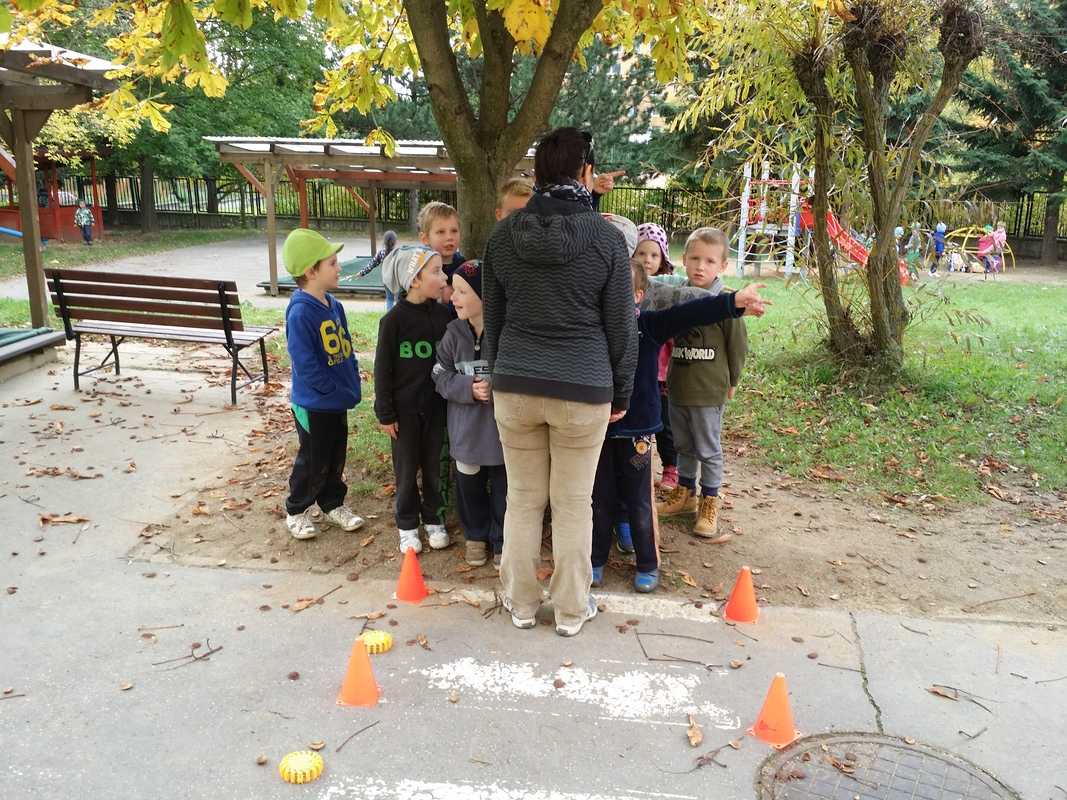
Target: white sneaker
{"type": "Point", "coordinates": [409, 540]}
{"type": "Point", "coordinates": [438, 536]}
{"type": "Point", "coordinates": [301, 526]}
{"type": "Point", "coordinates": [574, 628]}
{"type": "Point", "coordinates": [344, 519]}
{"type": "Point", "coordinates": [523, 623]}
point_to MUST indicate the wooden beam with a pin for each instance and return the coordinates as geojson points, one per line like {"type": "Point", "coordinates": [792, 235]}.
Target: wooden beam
{"type": "Point", "coordinates": [31, 225]}
{"type": "Point", "coordinates": [28, 61]}
{"type": "Point", "coordinates": [359, 199]}
{"type": "Point", "coordinates": [300, 184]}
{"type": "Point", "coordinates": [269, 184]}
{"type": "Point", "coordinates": [8, 134]}
{"type": "Point", "coordinates": [44, 98]}
{"type": "Point", "coordinates": [35, 120]}
{"type": "Point", "coordinates": [250, 177]}
{"type": "Point", "coordinates": [372, 218]}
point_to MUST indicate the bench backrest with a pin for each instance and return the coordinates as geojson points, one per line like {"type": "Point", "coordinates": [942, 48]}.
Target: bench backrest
{"type": "Point", "coordinates": [144, 299]}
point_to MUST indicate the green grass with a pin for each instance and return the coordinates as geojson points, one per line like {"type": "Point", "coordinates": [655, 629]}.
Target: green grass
{"type": "Point", "coordinates": [957, 403]}
{"type": "Point", "coordinates": [116, 244]}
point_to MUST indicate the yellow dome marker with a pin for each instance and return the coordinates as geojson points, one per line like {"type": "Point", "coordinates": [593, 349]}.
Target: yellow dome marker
{"type": "Point", "coordinates": [377, 642]}
{"type": "Point", "coordinates": [303, 766]}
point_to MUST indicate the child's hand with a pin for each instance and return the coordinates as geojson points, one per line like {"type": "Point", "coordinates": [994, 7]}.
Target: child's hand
{"type": "Point", "coordinates": [480, 390]}
{"type": "Point", "coordinates": [390, 430]}
{"type": "Point", "coordinates": [731, 392]}
{"type": "Point", "coordinates": [749, 299]}
{"type": "Point", "coordinates": [615, 415]}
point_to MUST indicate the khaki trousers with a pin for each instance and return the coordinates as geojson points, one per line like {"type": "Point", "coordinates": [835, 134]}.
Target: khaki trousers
{"type": "Point", "coordinates": [551, 449]}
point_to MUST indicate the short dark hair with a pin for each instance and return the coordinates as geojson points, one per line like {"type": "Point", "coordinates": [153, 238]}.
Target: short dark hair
{"type": "Point", "coordinates": [561, 154]}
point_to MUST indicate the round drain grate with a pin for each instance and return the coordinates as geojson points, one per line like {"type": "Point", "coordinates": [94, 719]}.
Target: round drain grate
{"type": "Point", "coordinates": [867, 766]}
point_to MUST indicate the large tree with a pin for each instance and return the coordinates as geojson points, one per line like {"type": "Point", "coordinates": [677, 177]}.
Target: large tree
{"type": "Point", "coordinates": [847, 61]}
{"type": "Point", "coordinates": [1015, 139]}
{"type": "Point", "coordinates": [165, 40]}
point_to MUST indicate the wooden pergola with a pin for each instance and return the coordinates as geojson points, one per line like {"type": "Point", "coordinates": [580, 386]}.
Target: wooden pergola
{"type": "Point", "coordinates": [348, 162]}
{"type": "Point", "coordinates": [35, 80]}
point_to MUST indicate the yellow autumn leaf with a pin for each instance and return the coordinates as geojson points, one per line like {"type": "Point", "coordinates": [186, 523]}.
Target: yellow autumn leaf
{"type": "Point", "coordinates": [528, 22]}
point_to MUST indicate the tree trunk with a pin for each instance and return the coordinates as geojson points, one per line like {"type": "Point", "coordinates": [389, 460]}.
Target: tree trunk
{"type": "Point", "coordinates": [212, 194]}
{"type": "Point", "coordinates": [111, 193]}
{"type": "Point", "coordinates": [149, 220]}
{"type": "Point", "coordinates": [1050, 254]}
{"type": "Point", "coordinates": [476, 196]}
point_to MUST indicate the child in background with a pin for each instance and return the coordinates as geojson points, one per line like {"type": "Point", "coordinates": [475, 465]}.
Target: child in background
{"type": "Point", "coordinates": [83, 220]}
{"type": "Point", "coordinates": [462, 378]}
{"type": "Point", "coordinates": [625, 466]}
{"type": "Point", "coordinates": [986, 248]}
{"type": "Point", "coordinates": [514, 195]}
{"type": "Point", "coordinates": [913, 250]}
{"type": "Point", "coordinates": [939, 246]}
{"type": "Point", "coordinates": [325, 385]}
{"type": "Point", "coordinates": [408, 408]}
{"type": "Point", "coordinates": [389, 242]}
{"type": "Point", "coordinates": [706, 366]}
{"type": "Point", "coordinates": [1000, 243]}
{"type": "Point", "coordinates": [439, 231]}
{"type": "Point", "coordinates": [653, 253]}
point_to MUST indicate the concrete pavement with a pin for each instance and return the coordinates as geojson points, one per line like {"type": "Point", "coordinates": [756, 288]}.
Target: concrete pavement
{"type": "Point", "coordinates": [85, 620]}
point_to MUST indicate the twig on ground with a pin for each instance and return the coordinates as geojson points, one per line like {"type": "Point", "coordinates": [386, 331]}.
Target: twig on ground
{"type": "Point", "coordinates": [319, 599]}
{"type": "Point", "coordinates": [973, 736]}
{"type": "Point", "coordinates": [837, 666]}
{"type": "Point", "coordinates": [832, 633]}
{"type": "Point", "coordinates": [28, 500]}
{"type": "Point", "coordinates": [10, 696]}
{"type": "Point", "coordinates": [668, 657]}
{"type": "Point", "coordinates": [1052, 680]}
{"type": "Point", "coordinates": [996, 667]}
{"type": "Point", "coordinates": [967, 695]}
{"type": "Point", "coordinates": [354, 735]}
{"type": "Point", "coordinates": [998, 600]}
{"type": "Point", "coordinates": [191, 655]}
{"type": "Point", "coordinates": [280, 714]}
{"type": "Point", "coordinates": [158, 627]}
{"type": "Point", "coordinates": [1061, 788]}
{"type": "Point", "coordinates": [738, 630]}
{"type": "Point", "coordinates": [874, 563]}
{"type": "Point", "coordinates": [913, 630]}
{"type": "Point", "coordinates": [1017, 675]}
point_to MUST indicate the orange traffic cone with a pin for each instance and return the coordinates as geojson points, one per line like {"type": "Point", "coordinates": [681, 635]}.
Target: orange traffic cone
{"type": "Point", "coordinates": [410, 588]}
{"type": "Point", "coordinates": [774, 725]}
{"type": "Point", "coordinates": [741, 607]}
{"type": "Point", "coordinates": [359, 687]}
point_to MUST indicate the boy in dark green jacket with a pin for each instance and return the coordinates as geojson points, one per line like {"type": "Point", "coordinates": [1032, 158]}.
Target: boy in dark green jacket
{"type": "Point", "coordinates": [706, 366]}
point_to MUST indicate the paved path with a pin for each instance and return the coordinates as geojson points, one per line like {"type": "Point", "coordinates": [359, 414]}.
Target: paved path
{"type": "Point", "coordinates": [610, 726]}
{"type": "Point", "coordinates": [243, 260]}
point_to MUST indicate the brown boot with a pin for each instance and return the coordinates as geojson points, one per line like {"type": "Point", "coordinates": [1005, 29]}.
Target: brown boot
{"type": "Point", "coordinates": [707, 524]}
{"type": "Point", "coordinates": [679, 501]}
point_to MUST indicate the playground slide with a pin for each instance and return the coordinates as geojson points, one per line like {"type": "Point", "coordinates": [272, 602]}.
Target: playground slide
{"type": "Point", "coordinates": [845, 241]}
{"type": "Point", "coordinates": [11, 232]}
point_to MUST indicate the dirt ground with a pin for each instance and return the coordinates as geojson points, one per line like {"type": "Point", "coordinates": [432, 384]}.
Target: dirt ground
{"type": "Point", "coordinates": [809, 543]}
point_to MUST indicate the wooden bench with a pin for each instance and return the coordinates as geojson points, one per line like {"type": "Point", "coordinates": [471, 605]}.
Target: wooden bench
{"type": "Point", "coordinates": [154, 307]}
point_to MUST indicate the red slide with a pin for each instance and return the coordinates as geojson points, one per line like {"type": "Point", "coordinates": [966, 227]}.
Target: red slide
{"type": "Point", "coordinates": [842, 239]}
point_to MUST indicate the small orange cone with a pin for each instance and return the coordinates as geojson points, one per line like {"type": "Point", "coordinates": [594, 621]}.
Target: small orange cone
{"type": "Point", "coordinates": [774, 725]}
{"type": "Point", "coordinates": [359, 687]}
{"type": "Point", "coordinates": [741, 607]}
{"type": "Point", "coordinates": [410, 588]}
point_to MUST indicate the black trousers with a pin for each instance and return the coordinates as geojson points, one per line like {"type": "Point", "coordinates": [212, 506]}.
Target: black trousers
{"type": "Point", "coordinates": [318, 472]}
{"type": "Point", "coordinates": [624, 471]}
{"type": "Point", "coordinates": [417, 448]}
{"type": "Point", "coordinates": [664, 438]}
{"type": "Point", "coordinates": [481, 500]}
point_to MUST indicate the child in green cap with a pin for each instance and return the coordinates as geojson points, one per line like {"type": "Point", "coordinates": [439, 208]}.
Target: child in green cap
{"type": "Point", "coordinates": [325, 385]}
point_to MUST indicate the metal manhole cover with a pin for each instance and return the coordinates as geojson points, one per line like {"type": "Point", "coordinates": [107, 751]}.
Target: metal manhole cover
{"type": "Point", "coordinates": [866, 766]}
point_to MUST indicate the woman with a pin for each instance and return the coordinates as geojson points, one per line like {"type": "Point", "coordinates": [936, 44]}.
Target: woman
{"type": "Point", "coordinates": [561, 341]}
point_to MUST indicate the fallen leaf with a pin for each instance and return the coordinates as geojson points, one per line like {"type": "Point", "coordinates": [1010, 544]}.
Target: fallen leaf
{"type": "Point", "coordinates": [261, 760]}
{"type": "Point", "coordinates": [131, 467]}
{"type": "Point", "coordinates": [803, 591]}
{"type": "Point", "coordinates": [908, 740]}
{"type": "Point", "coordinates": [453, 696]}
{"type": "Point", "coordinates": [687, 579]}
{"type": "Point", "coordinates": [125, 687]}
{"type": "Point", "coordinates": [567, 663]}
{"type": "Point", "coordinates": [735, 744]}
{"type": "Point", "coordinates": [366, 541]}
{"type": "Point", "coordinates": [61, 407]}
{"type": "Point", "coordinates": [462, 568]}
{"type": "Point", "coordinates": [813, 655]}
{"type": "Point", "coordinates": [558, 684]}
{"type": "Point", "coordinates": [736, 664]}
{"type": "Point", "coordinates": [318, 744]}
{"type": "Point", "coordinates": [695, 734]}
{"type": "Point", "coordinates": [12, 589]}
{"type": "Point", "coordinates": [201, 509]}
{"type": "Point", "coordinates": [370, 615]}
{"type": "Point", "coordinates": [941, 691]}
{"type": "Point", "coordinates": [302, 603]}
{"type": "Point", "coordinates": [294, 676]}
{"type": "Point", "coordinates": [825, 472]}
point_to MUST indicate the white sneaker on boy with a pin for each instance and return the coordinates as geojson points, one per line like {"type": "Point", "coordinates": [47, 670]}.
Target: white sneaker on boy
{"type": "Point", "coordinates": [301, 525]}
{"type": "Point", "coordinates": [438, 536]}
{"type": "Point", "coordinates": [409, 540]}
{"type": "Point", "coordinates": [345, 519]}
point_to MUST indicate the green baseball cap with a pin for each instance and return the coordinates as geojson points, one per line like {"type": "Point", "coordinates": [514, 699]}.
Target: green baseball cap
{"type": "Point", "coordinates": [305, 248]}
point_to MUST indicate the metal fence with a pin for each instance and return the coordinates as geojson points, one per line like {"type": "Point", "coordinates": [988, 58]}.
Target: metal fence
{"type": "Point", "coordinates": [183, 202]}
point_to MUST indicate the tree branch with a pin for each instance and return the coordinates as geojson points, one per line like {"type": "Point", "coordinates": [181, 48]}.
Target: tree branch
{"type": "Point", "coordinates": [573, 18]}
{"type": "Point", "coordinates": [494, 95]}
{"type": "Point", "coordinates": [428, 21]}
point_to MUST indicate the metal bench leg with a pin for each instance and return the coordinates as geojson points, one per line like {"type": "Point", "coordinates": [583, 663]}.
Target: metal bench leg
{"type": "Point", "coordinates": [263, 354]}
{"type": "Point", "coordinates": [77, 360]}
{"type": "Point", "coordinates": [233, 379]}
{"type": "Point", "coordinates": [115, 352]}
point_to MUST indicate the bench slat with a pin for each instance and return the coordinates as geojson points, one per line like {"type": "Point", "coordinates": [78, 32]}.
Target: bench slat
{"type": "Point", "coordinates": [148, 292]}
{"type": "Point", "coordinates": [150, 319]}
{"type": "Point", "coordinates": [138, 280]}
{"type": "Point", "coordinates": [245, 337]}
{"type": "Point", "coordinates": [209, 310]}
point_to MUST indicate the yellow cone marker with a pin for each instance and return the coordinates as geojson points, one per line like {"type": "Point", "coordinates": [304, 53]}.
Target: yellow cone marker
{"type": "Point", "coordinates": [377, 641]}
{"type": "Point", "coordinates": [303, 766]}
